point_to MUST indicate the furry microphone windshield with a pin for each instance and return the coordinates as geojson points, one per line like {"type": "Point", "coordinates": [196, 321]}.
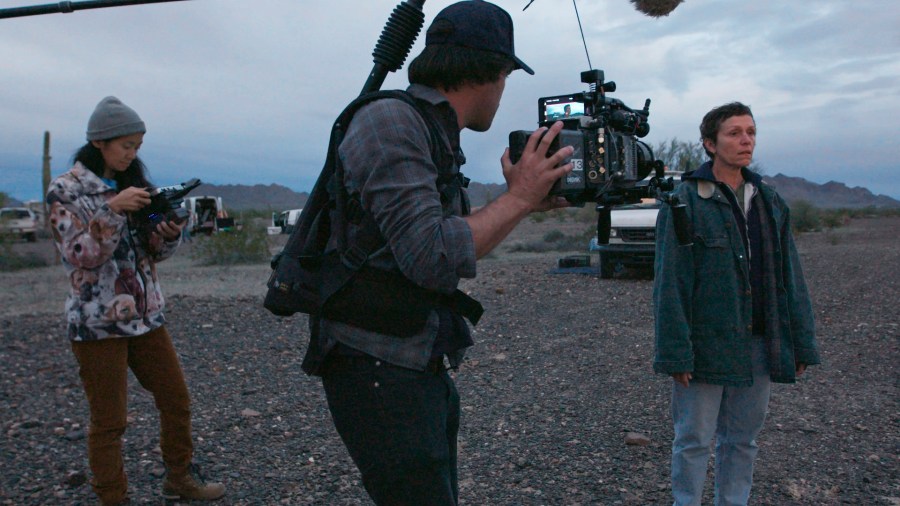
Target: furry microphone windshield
{"type": "Point", "coordinates": [656, 8]}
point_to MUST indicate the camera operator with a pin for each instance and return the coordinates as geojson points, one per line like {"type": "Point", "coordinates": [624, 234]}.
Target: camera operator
{"type": "Point", "coordinates": [732, 310]}
{"type": "Point", "coordinates": [391, 399]}
{"type": "Point", "coordinates": [115, 305]}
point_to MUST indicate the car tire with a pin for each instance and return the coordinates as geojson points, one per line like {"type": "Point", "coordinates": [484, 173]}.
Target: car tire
{"type": "Point", "coordinates": [31, 237]}
{"type": "Point", "coordinates": [607, 266]}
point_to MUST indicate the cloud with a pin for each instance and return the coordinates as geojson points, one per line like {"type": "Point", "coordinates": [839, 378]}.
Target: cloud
{"type": "Point", "coordinates": [240, 92]}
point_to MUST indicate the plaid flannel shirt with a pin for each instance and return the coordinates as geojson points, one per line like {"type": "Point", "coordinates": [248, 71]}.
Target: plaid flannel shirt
{"type": "Point", "coordinates": [387, 160]}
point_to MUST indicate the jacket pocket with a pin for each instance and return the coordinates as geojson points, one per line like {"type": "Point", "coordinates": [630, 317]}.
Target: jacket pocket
{"type": "Point", "coordinates": [714, 242]}
{"type": "Point", "coordinates": [712, 255]}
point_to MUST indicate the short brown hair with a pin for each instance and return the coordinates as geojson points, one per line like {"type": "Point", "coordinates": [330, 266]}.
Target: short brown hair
{"type": "Point", "coordinates": [449, 67]}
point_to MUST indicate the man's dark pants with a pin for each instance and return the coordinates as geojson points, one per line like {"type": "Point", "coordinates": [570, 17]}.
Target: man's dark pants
{"type": "Point", "coordinates": [400, 427]}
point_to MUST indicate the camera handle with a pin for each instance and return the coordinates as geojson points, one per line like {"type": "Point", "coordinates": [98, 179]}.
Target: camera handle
{"type": "Point", "coordinates": [604, 223]}
{"type": "Point", "coordinates": [684, 230]}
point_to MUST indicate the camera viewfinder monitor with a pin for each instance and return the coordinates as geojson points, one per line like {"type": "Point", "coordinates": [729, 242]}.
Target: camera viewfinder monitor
{"type": "Point", "coordinates": [561, 107]}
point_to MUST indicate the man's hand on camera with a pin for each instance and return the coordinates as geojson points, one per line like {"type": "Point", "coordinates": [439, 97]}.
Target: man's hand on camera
{"type": "Point", "coordinates": [531, 178]}
{"type": "Point", "coordinates": [169, 230]}
{"type": "Point", "coordinates": [528, 186]}
{"type": "Point", "coordinates": [128, 200]}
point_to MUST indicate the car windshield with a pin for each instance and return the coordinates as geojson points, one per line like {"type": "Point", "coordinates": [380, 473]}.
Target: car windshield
{"type": "Point", "coordinates": [14, 214]}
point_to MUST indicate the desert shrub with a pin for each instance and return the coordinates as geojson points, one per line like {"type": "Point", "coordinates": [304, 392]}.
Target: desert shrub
{"type": "Point", "coordinates": [532, 247]}
{"type": "Point", "coordinates": [834, 218]}
{"type": "Point", "coordinates": [12, 261]}
{"type": "Point", "coordinates": [808, 218]}
{"type": "Point", "coordinates": [252, 214]}
{"type": "Point", "coordinates": [556, 240]}
{"type": "Point", "coordinates": [873, 212]}
{"type": "Point", "coordinates": [805, 217]}
{"type": "Point", "coordinates": [245, 246]}
{"type": "Point", "coordinates": [553, 236]}
{"type": "Point", "coordinates": [585, 214]}
{"type": "Point", "coordinates": [560, 215]}
{"type": "Point", "coordinates": [537, 217]}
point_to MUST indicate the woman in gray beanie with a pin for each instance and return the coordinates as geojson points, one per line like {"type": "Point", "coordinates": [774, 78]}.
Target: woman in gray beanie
{"type": "Point", "coordinates": [114, 306]}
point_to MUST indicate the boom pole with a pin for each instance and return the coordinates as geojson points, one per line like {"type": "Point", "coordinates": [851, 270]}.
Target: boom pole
{"type": "Point", "coordinates": [67, 7]}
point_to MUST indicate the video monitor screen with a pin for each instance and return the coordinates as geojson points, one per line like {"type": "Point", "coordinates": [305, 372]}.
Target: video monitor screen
{"type": "Point", "coordinates": [560, 108]}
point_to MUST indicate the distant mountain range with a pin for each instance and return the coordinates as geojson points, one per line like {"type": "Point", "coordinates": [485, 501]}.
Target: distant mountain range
{"type": "Point", "coordinates": [830, 195]}
{"type": "Point", "coordinates": [274, 197]}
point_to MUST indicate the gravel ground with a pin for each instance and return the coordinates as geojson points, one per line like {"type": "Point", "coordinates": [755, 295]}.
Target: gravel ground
{"type": "Point", "coordinates": [558, 384]}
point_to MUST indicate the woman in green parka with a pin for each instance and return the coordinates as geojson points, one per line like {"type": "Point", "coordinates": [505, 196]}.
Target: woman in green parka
{"type": "Point", "coordinates": [732, 310]}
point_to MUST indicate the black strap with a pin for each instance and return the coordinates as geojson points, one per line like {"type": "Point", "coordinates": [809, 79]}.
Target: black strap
{"type": "Point", "coordinates": [369, 237]}
{"type": "Point", "coordinates": [321, 198]}
{"type": "Point", "coordinates": [311, 234]}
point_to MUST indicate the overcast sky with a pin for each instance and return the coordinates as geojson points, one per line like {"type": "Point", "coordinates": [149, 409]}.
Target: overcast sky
{"type": "Point", "coordinates": [244, 92]}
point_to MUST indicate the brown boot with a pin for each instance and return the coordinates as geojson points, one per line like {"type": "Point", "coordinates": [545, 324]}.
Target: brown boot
{"type": "Point", "coordinates": [190, 486]}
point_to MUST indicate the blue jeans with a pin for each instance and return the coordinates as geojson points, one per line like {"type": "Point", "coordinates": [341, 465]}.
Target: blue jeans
{"type": "Point", "coordinates": [400, 427]}
{"type": "Point", "coordinates": [734, 415]}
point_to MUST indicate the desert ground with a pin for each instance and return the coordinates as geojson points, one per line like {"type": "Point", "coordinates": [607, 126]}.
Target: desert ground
{"type": "Point", "coordinates": [555, 391]}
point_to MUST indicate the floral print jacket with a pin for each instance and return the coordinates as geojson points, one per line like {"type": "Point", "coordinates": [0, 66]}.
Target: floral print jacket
{"type": "Point", "coordinates": [114, 289]}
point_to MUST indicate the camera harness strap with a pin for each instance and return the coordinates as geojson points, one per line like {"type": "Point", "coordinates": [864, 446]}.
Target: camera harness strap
{"type": "Point", "coordinates": [349, 209]}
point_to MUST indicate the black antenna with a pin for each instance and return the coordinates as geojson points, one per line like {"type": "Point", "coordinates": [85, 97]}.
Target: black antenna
{"type": "Point", "coordinates": [582, 35]}
{"type": "Point", "coordinates": [67, 7]}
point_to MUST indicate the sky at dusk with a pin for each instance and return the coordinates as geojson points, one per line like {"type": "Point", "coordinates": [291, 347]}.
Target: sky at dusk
{"type": "Point", "coordinates": [241, 92]}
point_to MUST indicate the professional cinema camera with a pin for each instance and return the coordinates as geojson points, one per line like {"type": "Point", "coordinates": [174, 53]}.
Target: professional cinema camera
{"type": "Point", "coordinates": [165, 205]}
{"type": "Point", "coordinates": [610, 164]}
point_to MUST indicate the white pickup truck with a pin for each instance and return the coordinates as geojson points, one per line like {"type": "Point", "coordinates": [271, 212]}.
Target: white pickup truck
{"type": "Point", "coordinates": [19, 222]}
{"type": "Point", "coordinates": [632, 238]}
{"type": "Point", "coordinates": [632, 235]}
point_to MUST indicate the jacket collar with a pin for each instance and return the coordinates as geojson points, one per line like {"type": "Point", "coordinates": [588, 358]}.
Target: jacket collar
{"type": "Point", "coordinates": [428, 94]}
{"type": "Point", "coordinates": [446, 115]}
{"type": "Point", "coordinates": [90, 182]}
{"type": "Point", "coordinates": [706, 181]}
{"type": "Point", "coordinates": [436, 99]}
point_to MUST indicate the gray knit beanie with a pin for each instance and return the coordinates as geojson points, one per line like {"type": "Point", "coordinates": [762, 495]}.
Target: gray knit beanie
{"type": "Point", "coordinates": [113, 119]}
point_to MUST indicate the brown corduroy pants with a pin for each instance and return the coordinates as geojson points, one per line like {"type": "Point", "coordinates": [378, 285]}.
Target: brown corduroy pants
{"type": "Point", "coordinates": [103, 367]}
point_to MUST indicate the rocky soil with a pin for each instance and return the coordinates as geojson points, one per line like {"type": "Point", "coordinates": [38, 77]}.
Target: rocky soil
{"type": "Point", "coordinates": [560, 405]}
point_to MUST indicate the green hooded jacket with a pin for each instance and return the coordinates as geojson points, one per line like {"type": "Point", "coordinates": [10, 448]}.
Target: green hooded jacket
{"type": "Point", "coordinates": [702, 298]}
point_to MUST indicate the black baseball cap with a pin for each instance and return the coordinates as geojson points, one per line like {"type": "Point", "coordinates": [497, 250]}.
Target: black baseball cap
{"type": "Point", "coordinates": [475, 24]}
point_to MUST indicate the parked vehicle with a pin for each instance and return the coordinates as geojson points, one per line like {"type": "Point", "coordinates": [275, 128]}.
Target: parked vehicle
{"type": "Point", "coordinates": [207, 215]}
{"type": "Point", "coordinates": [286, 220]}
{"type": "Point", "coordinates": [19, 222]}
{"type": "Point", "coordinates": [632, 236]}
{"type": "Point", "coordinates": [36, 207]}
